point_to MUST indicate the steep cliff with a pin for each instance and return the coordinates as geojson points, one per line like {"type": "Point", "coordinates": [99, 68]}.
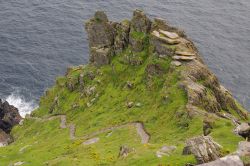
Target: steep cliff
{"type": "Point", "coordinates": [145, 98]}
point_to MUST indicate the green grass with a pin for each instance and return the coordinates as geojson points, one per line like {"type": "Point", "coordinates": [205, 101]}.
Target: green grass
{"type": "Point", "coordinates": [165, 118]}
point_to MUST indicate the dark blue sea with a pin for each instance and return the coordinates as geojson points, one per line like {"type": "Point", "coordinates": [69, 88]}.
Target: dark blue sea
{"type": "Point", "coordinates": [39, 39]}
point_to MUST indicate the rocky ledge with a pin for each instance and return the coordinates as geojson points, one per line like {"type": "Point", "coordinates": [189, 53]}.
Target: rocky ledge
{"type": "Point", "coordinates": [9, 117]}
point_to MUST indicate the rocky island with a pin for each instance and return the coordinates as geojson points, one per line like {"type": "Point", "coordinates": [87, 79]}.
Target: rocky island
{"type": "Point", "coordinates": [145, 98]}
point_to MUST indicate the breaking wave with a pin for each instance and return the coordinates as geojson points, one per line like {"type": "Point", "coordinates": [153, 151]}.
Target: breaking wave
{"type": "Point", "coordinates": [24, 107]}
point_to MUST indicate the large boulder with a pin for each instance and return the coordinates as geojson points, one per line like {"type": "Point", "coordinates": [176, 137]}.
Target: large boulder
{"type": "Point", "coordinates": [232, 160]}
{"type": "Point", "coordinates": [243, 148]}
{"type": "Point", "coordinates": [203, 148]}
{"type": "Point", "coordinates": [243, 130]}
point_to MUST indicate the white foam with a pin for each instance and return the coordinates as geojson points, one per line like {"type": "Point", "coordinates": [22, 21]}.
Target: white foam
{"type": "Point", "coordinates": [19, 102]}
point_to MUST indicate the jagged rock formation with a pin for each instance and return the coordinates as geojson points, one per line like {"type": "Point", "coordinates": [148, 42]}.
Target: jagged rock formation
{"type": "Point", "coordinates": [9, 117]}
{"type": "Point", "coordinates": [203, 148]}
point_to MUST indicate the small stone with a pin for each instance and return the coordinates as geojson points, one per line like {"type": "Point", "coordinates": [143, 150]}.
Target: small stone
{"type": "Point", "coordinates": [19, 163]}
{"type": "Point", "coordinates": [130, 104]}
{"type": "Point", "coordinates": [109, 134]}
{"type": "Point", "coordinates": [124, 151]}
{"type": "Point", "coordinates": [75, 105]}
{"type": "Point", "coordinates": [163, 56]}
{"type": "Point", "coordinates": [165, 151]}
{"type": "Point", "coordinates": [90, 90]}
{"type": "Point", "coordinates": [176, 63]}
{"type": "Point", "coordinates": [89, 104]}
{"type": "Point", "coordinates": [138, 104]}
{"type": "Point", "coordinates": [91, 141]}
{"type": "Point", "coordinates": [23, 148]}
{"type": "Point", "coordinates": [184, 58]}
{"type": "Point", "coordinates": [171, 35]}
{"type": "Point", "coordinates": [129, 85]}
{"type": "Point", "coordinates": [93, 100]}
{"type": "Point", "coordinates": [21, 122]}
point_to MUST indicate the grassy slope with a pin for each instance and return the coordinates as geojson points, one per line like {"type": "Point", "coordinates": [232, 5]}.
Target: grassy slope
{"type": "Point", "coordinates": [165, 120]}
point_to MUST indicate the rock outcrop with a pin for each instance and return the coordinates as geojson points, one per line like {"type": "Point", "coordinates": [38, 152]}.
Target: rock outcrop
{"type": "Point", "coordinates": [243, 130]}
{"type": "Point", "coordinates": [203, 148]}
{"type": "Point", "coordinates": [243, 149]}
{"type": "Point", "coordinates": [101, 35]}
{"type": "Point", "coordinates": [9, 117]}
{"type": "Point", "coordinates": [232, 160]}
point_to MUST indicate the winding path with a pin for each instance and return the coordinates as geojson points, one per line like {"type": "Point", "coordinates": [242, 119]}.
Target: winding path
{"type": "Point", "coordinates": [140, 129]}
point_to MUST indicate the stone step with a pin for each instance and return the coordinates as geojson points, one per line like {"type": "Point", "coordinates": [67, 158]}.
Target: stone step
{"type": "Point", "coordinates": [164, 39]}
{"type": "Point", "coordinates": [184, 58]}
{"type": "Point", "coordinates": [185, 53]}
{"type": "Point", "coordinates": [171, 35]}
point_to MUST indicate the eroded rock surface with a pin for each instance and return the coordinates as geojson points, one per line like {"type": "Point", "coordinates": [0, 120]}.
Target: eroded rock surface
{"type": "Point", "coordinates": [101, 36]}
{"type": "Point", "coordinates": [232, 160]}
{"type": "Point", "coordinates": [203, 148]}
{"type": "Point", "coordinates": [243, 130]}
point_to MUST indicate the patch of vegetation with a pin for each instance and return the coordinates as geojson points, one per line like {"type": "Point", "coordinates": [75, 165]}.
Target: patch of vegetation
{"type": "Point", "coordinates": [161, 108]}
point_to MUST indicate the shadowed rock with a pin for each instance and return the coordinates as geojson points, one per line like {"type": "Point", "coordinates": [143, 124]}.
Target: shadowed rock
{"type": "Point", "coordinates": [101, 34]}
{"type": "Point", "coordinates": [243, 130]}
{"type": "Point", "coordinates": [9, 117]}
{"type": "Point", "coordinates": [124, 151]}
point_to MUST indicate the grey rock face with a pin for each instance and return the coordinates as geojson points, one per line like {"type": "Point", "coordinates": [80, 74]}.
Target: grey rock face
{"type": "Point", "coordinates": [243, 148]}
{"type": "Point", "coordinates": [140, 22]}
{"type": "Point", "coordinates": [165, 151]}
{"type": "Point", "coordinates": [122, 36]}
{"type": "Point", "coordinates": [101, 34]}
{"type": "Point", "coordinates": [101, 56]}
{"type": "Point", "coordinates": [232, 160]}
{"type": "Point", "coordinates": [5, 139]}
{"type": "Point", "coordinates": [100, 31]}
{"type": "Point", "coordinates": [203, 148]}
{"type": "Point", "coordinates": [243, 130]}
{"type": "Point", "coordinates": [9, 117]}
